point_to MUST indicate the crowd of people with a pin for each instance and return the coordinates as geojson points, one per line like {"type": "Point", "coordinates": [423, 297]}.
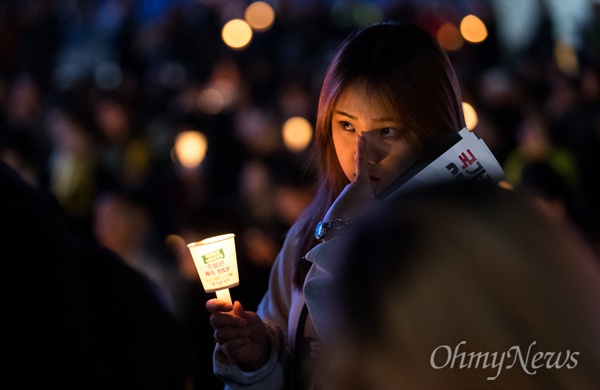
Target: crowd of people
{"type": "Point", "coordinates": [94, 93]}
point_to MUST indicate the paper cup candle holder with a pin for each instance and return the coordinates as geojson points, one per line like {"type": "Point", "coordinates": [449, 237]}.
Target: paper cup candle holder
{"type": "Point", "coordinates": [216, 261]}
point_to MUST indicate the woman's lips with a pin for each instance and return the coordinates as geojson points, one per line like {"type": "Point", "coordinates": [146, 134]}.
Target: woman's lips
{"type": "Point", "coordinates": [374, 179]}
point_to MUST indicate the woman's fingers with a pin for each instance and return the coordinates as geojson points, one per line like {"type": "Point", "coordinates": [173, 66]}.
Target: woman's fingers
{"type": "Point", "coordinates": [230, 322]}
{"type": "Point", "coordinates": [241, 336]}
{"type": "Point", "coordinates": [224, 315]}
{"type": "Point", "coordinates": [361, 166]}
{"type": "Point", "coordinates": [238, 310]}
{"type": "Point", "coordinates": [234, 345]}
{"type": "Point", "coordinates": [223, 335]}
{"type": "Point", "coordinates": [361, 187]}
{"type": "Point", "coordinates": [221, 320]}
{"type": "Point", "coordinates": [216, 305]}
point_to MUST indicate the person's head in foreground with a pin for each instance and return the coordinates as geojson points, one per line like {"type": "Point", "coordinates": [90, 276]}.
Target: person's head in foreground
{"type": "Point", "coordinates": [466, 285]}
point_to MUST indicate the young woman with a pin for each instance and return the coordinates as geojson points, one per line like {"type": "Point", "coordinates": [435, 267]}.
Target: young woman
{"type": "Point", "coordinates": [390, 93]}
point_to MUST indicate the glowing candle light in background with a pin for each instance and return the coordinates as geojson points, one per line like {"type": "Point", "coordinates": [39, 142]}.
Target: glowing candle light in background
{"type": "Point", "coordinates": [473, 29]}
{"type": "Point", "coordinates": [449, 37]}
{"type": "Point", "coordinates": [260, 16]}
{"type": "Point", "coordinates": [297, 133]}
{"type": "Point", "coordinates": [236, 33]}
{"type": "Point", "coordinates": [470, 115]}
{"type": "Point", "coordinates": [189, 149]}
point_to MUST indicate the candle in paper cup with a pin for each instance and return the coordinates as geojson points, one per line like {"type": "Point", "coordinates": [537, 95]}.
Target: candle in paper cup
{"type": "Point", "coordinates": [216, 261]}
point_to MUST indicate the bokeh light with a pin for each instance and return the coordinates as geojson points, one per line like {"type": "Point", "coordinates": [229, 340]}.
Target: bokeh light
{"type": "Point", "coordinates": [470, 115]}
{"type": "Point", "coordinates": [236, 33]}
{"type": "Point", "coordinates": [297, 133]}
{"type": "Point", "coordinates": [211, 101]}
{"type": "Point", "coordinates": [190, 148]}
{"type": "Point", "coordinates": [449, 37]}
{"type": "Point", "coordinates": [565, 57]}
{"type": "Point", "coordinates": [473, 29]}
{"type": "Point", "coordinates": [260, 16]}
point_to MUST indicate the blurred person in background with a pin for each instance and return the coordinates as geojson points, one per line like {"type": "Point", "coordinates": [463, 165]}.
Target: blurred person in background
{"type": "Point", "coordinates": [439, 289]}
{"type": "Point", "coordinates": [389, 94]}
{"type": "Point", "coordinates": [540, 181]}
{"type": "Point", "coordinates": [73, 166]}
{"type": "Point", "coordinates": [125, 154]}
{"type": "Point", "coordinates": [23, 142]}
{"type": "Point", "coordinates": [535, 144]}
{"type": "Point", "coordinates": [123, 224]}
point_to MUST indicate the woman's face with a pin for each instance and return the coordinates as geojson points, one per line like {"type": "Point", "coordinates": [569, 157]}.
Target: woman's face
{"type": "Point", "coordinates": [388, 154]}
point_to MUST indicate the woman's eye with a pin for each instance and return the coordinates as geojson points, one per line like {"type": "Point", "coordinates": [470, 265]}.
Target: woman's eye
{"type": "Point", "coordinates": [346, 126]}
{"type": "Point", "coordinates": [389, 132]}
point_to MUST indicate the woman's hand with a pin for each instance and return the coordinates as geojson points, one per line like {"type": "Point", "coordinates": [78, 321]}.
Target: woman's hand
{"type": "Point", "coordinates": [241, 335]}
{"type": "Point", "coordinates": [357, 196]}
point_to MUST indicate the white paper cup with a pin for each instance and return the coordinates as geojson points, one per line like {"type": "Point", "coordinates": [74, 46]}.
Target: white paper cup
{"type": "Point", "coordinates": [216, 262]}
